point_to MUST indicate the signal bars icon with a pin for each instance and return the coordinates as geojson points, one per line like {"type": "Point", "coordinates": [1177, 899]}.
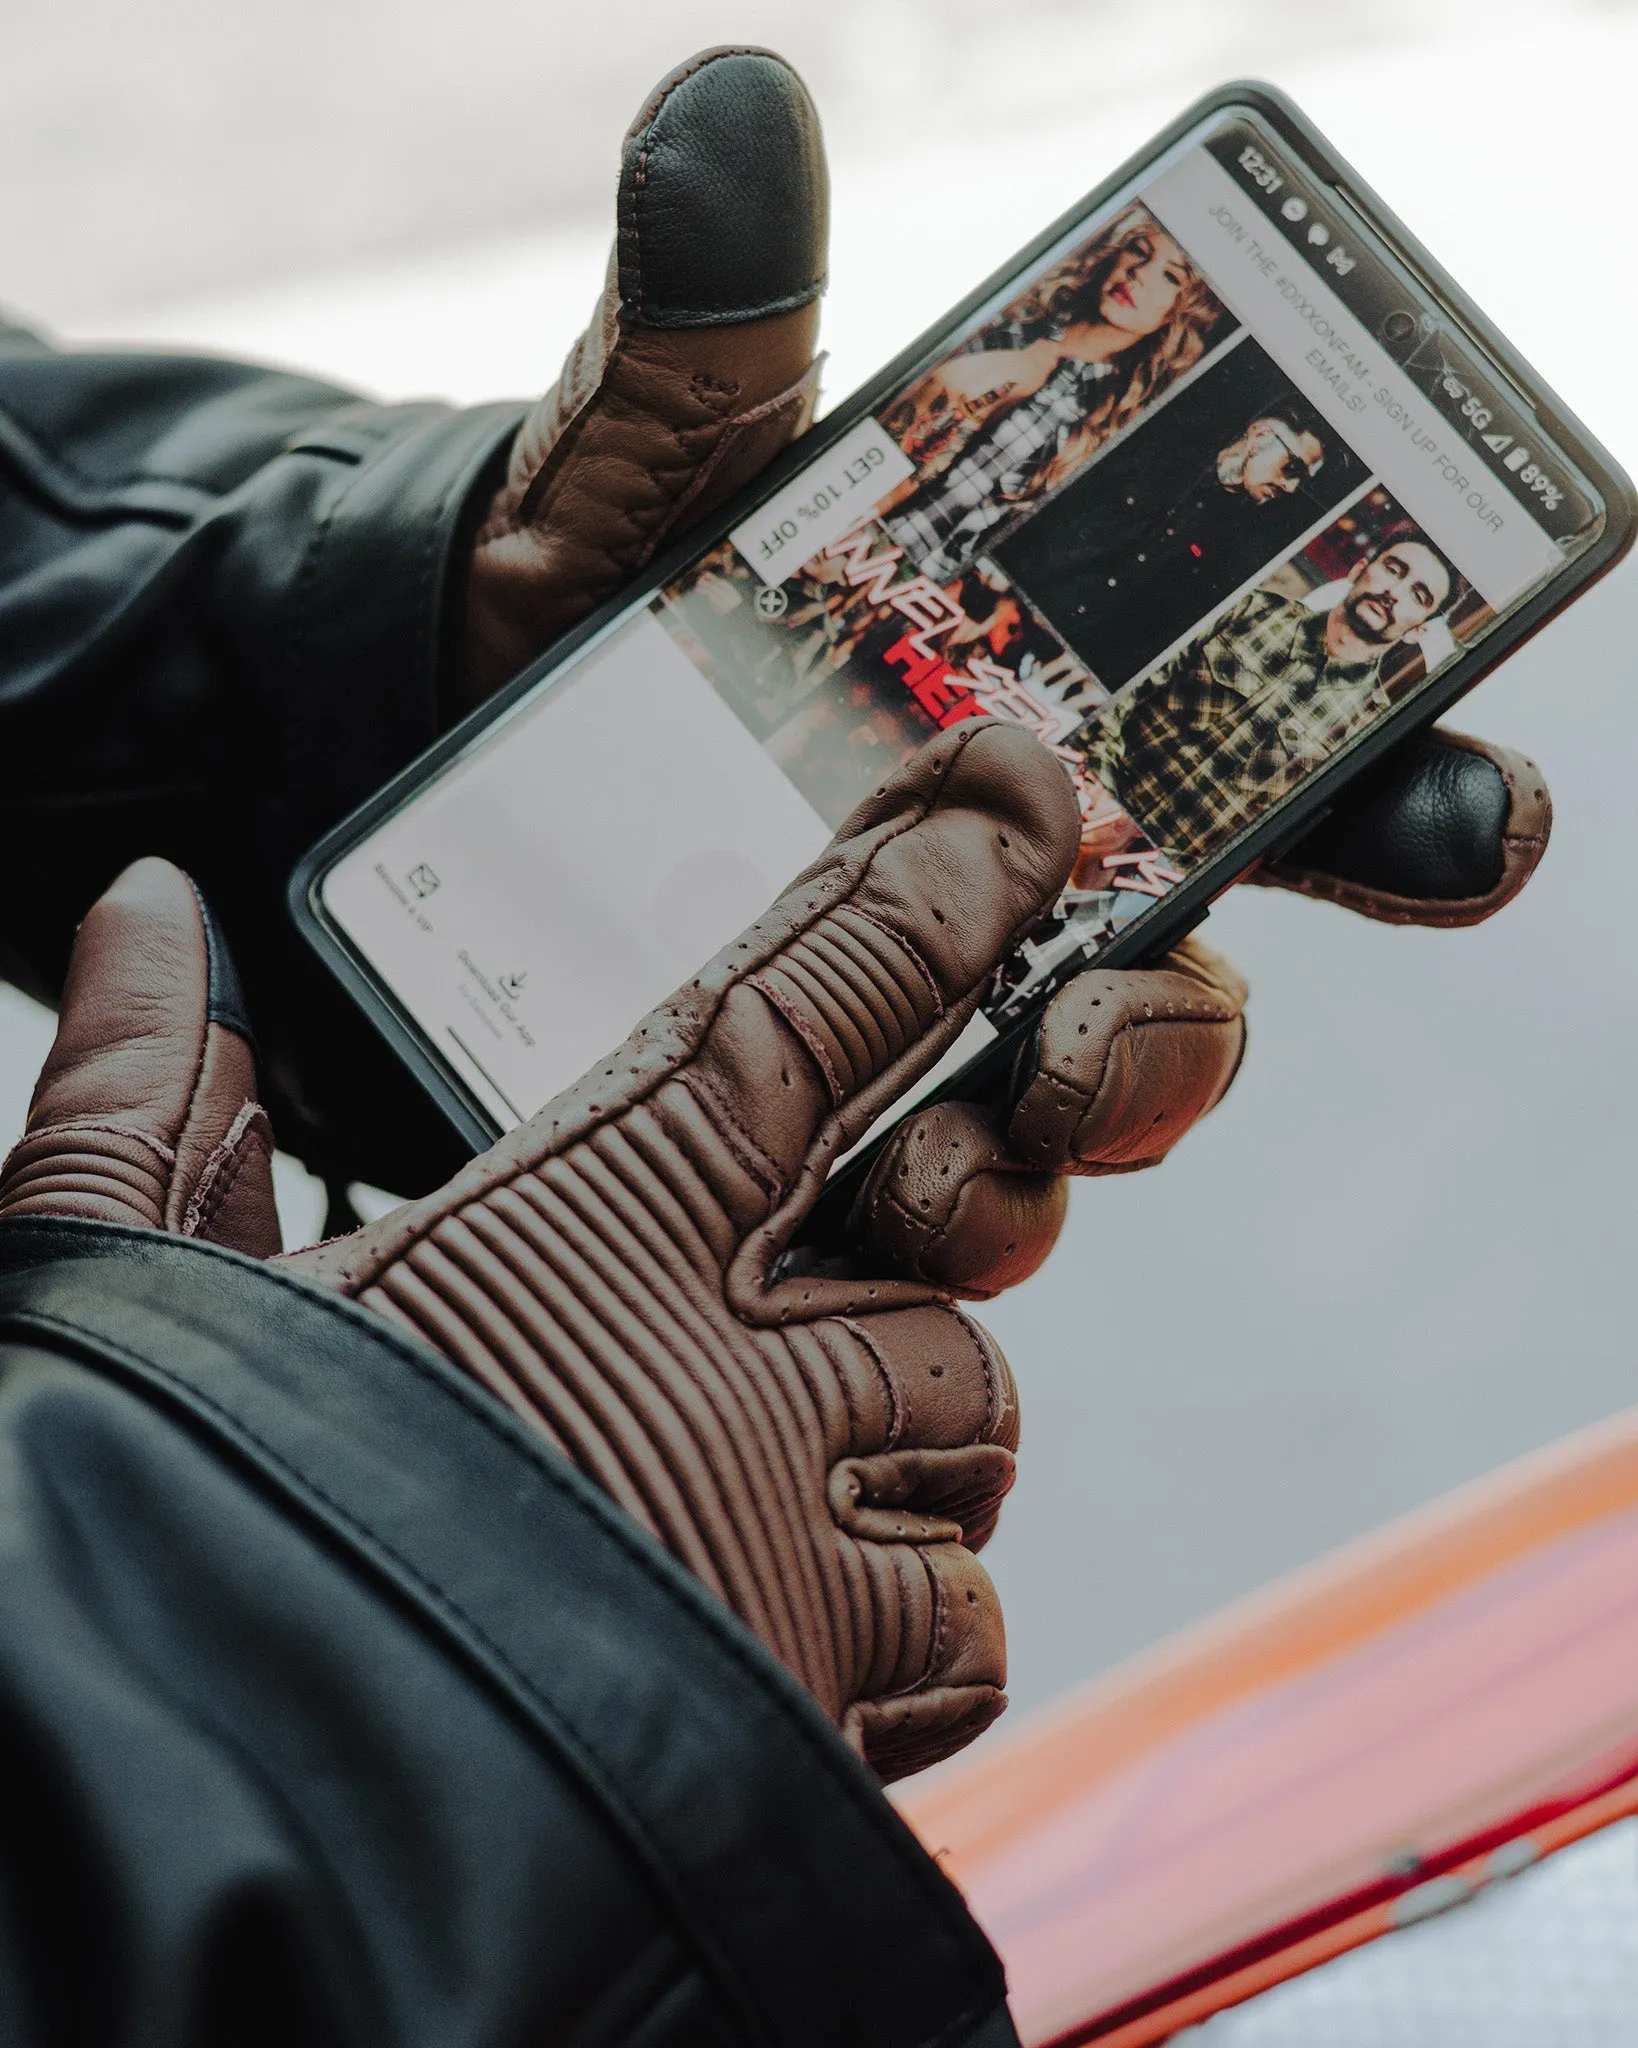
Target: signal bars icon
{"type": "Point", "coordinates": [1498, 443]}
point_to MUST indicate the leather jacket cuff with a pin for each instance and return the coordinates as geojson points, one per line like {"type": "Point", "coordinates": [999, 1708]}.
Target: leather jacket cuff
{"type": "Point", "coordinates": [366, 513]}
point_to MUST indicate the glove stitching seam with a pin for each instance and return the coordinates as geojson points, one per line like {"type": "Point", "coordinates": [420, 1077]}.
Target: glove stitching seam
{"type": "Point", "coordinates": [202, 1214]}
{"type": "Point", "coordinates": [1084, 1095]}
{"type": "Point", "coordinates": [822, 1335]}
{"type": "Point", "coordinates": [79, 1126]}
{"type": "Point", "coordinates": [731, 433]}
{"type": "Point", "coordinates": [941, 1621]}
{"type": "Point", "coordinates": [194, 1086]}
{"type": "Point", "coordinates": [639, 190]}
{"type": "Point", "coordinates": [1390, 908]}
{"type": "Point", "coordinates": [909, 950]}
{"type": "Point", "coordinates": [803, 1026]}
{"type": "Point", "coordinates": [919, 1686]}
{"type": "Point", "coordinates": [899, 1414]}
{"type": "Point", "coordinates": [744, 1147]}
{"type": "Point", "coordinates": [569, 435]}
{"type": "Point", "coordinates": [222, 1169]}
{"type": "Point", "coordinates": [995, 1407]}
{"type": "Point", "coordinates": [824, 1139]}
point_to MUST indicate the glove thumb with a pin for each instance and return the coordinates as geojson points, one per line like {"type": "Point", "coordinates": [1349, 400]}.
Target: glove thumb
{"type": "Point", "coordinates": [145, 1111]}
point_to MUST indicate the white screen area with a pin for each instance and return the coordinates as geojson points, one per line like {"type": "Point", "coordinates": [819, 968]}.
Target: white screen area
{"type": "Point", "coordinates": [587, 858]}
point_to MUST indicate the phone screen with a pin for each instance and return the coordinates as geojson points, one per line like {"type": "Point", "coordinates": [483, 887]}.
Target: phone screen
{"type": "Point", "coordinates": [1210, 490]}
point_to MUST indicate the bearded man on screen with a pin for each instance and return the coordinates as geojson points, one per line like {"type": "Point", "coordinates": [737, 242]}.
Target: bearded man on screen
{"type": "Point", "coordinates": [1237, 718]}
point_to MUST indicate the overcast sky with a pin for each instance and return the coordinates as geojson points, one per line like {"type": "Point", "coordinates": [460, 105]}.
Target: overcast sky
{"type": "Point", "coordinates": [153, 151]}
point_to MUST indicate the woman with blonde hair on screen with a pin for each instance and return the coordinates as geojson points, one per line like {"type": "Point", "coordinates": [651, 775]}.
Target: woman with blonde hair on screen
{"type": "Point", "coordinates": [1068, 366]}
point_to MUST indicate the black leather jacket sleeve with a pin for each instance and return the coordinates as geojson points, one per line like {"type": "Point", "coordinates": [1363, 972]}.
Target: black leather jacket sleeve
{"type": "Point", "coordinates": [224, 595]}
{"type": "Point", "coordinates": [333, 1710]}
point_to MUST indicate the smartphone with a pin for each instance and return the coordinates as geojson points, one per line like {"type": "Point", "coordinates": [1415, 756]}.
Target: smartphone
{"type": "Point", "coordinates": [1220, 488]}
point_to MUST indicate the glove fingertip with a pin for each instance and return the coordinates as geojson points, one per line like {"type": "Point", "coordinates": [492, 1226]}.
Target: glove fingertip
{"type": "Point", "coordinates": [899, 1737]}
{"type": "Point", "coordinates": [724, 194]}
{"type": "Point", "coordinates": [947, 1203]}
{"type": "Point", "coordinates": [1445, 833]}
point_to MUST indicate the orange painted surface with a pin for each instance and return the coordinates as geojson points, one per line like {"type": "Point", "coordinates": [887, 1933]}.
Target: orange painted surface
{"type": "Point", "coordinates": [1255, 1795]}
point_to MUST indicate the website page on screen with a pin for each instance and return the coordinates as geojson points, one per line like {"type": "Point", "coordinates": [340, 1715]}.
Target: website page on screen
{"type": "Point", "coordinates": [1204, 498]}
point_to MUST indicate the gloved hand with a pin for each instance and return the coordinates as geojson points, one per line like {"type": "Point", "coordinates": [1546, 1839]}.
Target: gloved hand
{"type": "Point", "coordinates": [145, 1112]}
{"type": "Point", "coordinates": [825, 1453]}
{"type": "Point", "coordinates": [1445, 832]}
{"type": "Point", "coordinates": [697, 368]}
{"type": "Point", "coordinates": [825, 1443]}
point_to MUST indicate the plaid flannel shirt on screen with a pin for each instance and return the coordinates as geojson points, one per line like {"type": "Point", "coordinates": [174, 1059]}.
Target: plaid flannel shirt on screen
{"type": "Point", "coordinates": [940, 526]}
{"type": "Point", "coordinates": [1230, 724]}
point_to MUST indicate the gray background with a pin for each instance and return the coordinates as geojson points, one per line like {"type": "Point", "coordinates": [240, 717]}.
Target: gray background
{"type": "Point", "coordinates": [1399, 1253]}
{"type": "Point", "coordinates": [154, 147]}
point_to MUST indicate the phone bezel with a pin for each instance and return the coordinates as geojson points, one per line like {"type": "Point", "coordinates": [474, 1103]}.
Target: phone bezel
{"type": "Point", "coordinates": [1188, 903]}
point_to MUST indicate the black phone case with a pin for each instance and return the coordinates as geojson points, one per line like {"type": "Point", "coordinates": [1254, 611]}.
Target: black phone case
{"type": "Point", "coordinates": [996, 1070]}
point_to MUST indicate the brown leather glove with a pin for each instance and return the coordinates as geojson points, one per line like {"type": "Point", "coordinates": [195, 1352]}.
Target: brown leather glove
{"type": "Point", "coordinates": [826, 1453]}
{"type": "Point", "coordinates": [146, 1110]}
{"type": "Point", "coordinates": [697, 368]}
{"type": "Point", "coordinates": [1445, 832]}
